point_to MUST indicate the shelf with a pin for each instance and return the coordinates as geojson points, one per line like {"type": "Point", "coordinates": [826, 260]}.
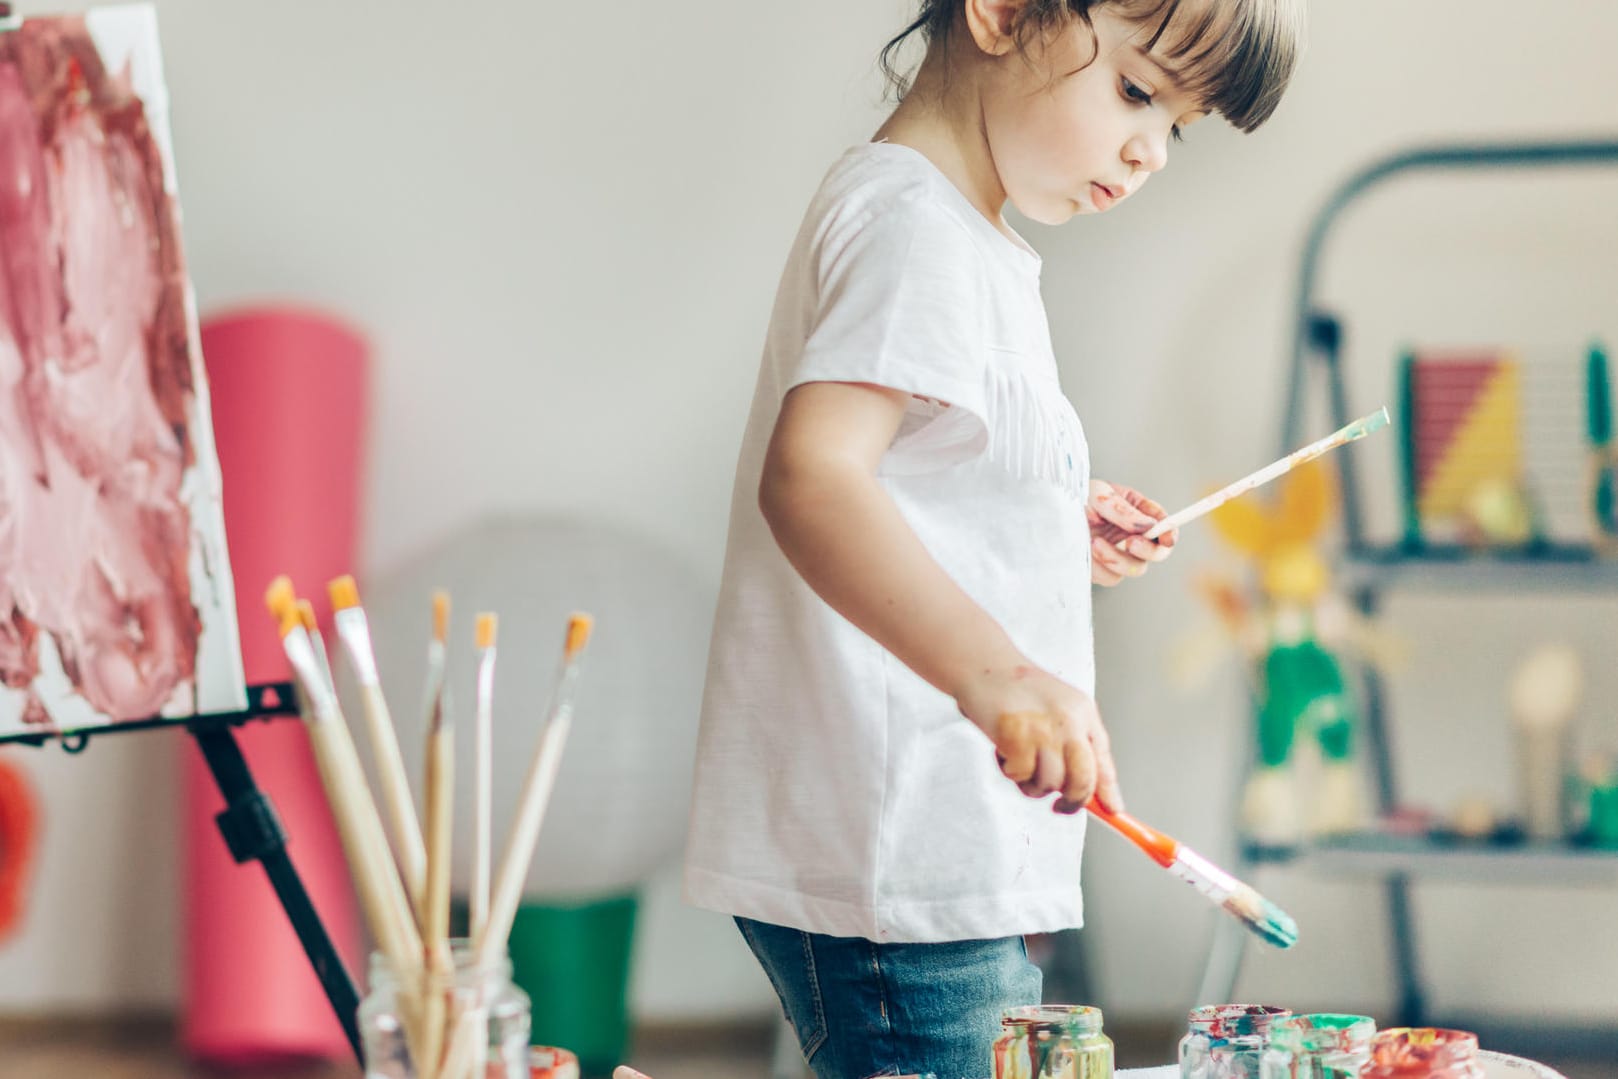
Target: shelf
{"type": "Point", "coordinates": [1545, 568]}
{"type": "Point", "coordinates": [1371, 854]}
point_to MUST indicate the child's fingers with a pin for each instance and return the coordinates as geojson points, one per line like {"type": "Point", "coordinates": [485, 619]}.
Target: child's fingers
{"type": "Point", "coordinates": [1016, 745]}
{"type": "Point", "coordinates": [1047, 775]}
{"type": "Point", "coordinates": [1080, 781]}
{"type": "Point", "coordinates": [1107, 790]}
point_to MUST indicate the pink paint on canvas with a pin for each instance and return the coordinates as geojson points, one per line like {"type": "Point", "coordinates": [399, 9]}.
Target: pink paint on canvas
{"type": "Point", "coordinates": [112, 558]}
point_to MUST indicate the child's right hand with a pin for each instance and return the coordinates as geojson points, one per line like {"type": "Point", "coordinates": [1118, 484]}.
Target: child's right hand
{"type": "Point", "coordinates": [1047, 735]}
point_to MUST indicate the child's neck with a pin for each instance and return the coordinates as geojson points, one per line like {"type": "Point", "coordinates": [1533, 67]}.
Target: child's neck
{"type": "Point", "coordinates": [940, 118]}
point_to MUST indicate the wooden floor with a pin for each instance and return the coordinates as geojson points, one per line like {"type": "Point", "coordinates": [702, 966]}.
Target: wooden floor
{"type": "Point", "coordinates": [145, 1050]}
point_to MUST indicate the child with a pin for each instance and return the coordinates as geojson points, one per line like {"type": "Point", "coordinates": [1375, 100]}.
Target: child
{"type": "Point", "coordinates": [914, 534]}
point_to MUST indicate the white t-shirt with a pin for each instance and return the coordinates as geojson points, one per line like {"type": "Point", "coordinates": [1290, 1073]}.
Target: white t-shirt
{"type": "Point", "coordinates": [836, 791]}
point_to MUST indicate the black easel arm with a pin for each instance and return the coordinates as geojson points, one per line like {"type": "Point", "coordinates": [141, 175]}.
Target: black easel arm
{"type": "Point", "coordinates": [253, 832]}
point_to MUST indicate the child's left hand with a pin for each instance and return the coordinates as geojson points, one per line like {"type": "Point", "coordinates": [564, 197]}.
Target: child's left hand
{"type": "Point", "coordinates": [1118, 515]}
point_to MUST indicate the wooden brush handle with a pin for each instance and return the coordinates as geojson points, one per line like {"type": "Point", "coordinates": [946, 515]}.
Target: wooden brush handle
{"type": "Point", "coordinates": [1160, 847]}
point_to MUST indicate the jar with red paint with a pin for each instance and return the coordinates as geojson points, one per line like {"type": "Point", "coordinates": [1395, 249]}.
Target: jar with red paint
{"type": "Point", "coordinates": [470, 1019]}
{"type": "Point", "coordinates": [1424, 1053]}
{"type": "Point", "coordinates": [1227, 1041]}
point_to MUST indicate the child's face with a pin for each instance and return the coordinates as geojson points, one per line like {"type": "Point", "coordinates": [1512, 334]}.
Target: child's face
{"type": "Point", "coordinates": [1068, 137]}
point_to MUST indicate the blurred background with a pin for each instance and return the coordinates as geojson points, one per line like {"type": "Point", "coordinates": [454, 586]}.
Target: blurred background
{"type": "Point", "coordinates": [557, 229]}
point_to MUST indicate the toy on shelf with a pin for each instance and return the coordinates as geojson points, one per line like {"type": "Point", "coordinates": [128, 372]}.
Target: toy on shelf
{"type": "Point", "coordinates": [1290, 625]}
{"type": "Point", "coordinates": [1491, 455]}
{"type": "Point", "coordinates": [1545, 692]}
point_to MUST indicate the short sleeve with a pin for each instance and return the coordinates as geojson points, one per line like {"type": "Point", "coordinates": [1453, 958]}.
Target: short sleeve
{"type": "Point", "coordinates": [900, 304]}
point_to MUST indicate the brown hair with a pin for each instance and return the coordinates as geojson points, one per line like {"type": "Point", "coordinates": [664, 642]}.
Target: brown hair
{"type": "Point", "coordinates": [1234, 56]}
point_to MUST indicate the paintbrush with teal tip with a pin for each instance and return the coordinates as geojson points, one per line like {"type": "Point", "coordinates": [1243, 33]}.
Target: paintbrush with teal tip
{"type": "Point", "coordinates": [1254, 911]}
{"type": "Point", "coordinates": [1358, 429]}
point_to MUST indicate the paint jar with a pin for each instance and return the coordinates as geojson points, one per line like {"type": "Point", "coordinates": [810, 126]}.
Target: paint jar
{"type": "Point", "coordinates": [1424, 1053]}
{"type": "Point", "coordinates": [1052, 1041]}
{"type": "Point", "coordinates": [549, 1062]}
{"type": "Point", "coordinates": [1322, 1046]}
{"type": "Point", "coordinates": [1227, 1041]}
{"type": "Point", "coordinates": [472, 1011]}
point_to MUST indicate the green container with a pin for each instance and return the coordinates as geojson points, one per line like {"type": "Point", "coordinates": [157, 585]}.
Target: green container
{"type": "Point", "coordinates": [573, 962]}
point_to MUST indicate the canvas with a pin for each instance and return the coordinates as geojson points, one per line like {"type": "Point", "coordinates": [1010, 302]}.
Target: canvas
{"type": "Point", "coordinates": [116, 599]}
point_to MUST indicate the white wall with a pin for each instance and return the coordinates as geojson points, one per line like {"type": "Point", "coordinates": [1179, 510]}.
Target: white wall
{"type": "Point", "coordinates": [562, 225]}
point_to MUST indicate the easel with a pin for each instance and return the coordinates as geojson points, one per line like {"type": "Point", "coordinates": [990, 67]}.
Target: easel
{"type": "Point", "coordinates": [250, 825]}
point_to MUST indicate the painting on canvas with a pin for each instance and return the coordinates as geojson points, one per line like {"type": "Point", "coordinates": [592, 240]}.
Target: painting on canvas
{"type": "Point", "coordinates": [116, 600]}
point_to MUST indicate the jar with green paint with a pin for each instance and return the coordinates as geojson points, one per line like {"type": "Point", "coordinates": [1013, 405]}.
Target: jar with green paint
{"type": "Point", "coordinates": [1321, 1046]}
{"type": "Point", "coordinates": [1052, 1041]}
{"type": "Point", "coordinates": [1227, 1041]}
{"type": "Point", "coordinates": [1424, 1053]}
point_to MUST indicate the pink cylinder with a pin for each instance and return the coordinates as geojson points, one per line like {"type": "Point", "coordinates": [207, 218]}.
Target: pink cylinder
{"type": "Point", "coordinates": [289, 393]}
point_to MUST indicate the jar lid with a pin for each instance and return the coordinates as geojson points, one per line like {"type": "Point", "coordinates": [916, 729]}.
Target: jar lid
{"type": "Point", "coordinates": [1234, 1020]}
{"type": "Point", "coordinates": [1322, 1031]}
{"type": "Point", "coordinates": [1053, 1019]}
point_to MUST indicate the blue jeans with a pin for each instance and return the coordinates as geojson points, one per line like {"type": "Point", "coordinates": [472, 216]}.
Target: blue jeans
{"type": "Point", "coordinates": [862, 1009]}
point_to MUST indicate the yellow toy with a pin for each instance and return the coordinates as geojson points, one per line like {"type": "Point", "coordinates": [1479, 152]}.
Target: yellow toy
{"type": "Point", "coordinates": [1289, 637]}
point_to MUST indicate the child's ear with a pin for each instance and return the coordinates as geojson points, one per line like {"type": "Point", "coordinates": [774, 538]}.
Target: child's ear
{"type": "Point", "coordinates": [991, 24]}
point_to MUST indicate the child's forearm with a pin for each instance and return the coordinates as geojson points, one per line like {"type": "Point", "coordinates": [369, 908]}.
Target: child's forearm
{"type": "Point", "coordinates": [847, 539]}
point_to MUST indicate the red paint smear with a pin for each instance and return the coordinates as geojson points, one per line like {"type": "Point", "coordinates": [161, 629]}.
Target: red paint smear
{"type": "Point", "coordinates": [95, 382]}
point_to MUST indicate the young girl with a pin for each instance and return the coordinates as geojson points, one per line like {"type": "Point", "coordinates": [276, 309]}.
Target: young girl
{"type": "Point", "coordinates": [914, 534]}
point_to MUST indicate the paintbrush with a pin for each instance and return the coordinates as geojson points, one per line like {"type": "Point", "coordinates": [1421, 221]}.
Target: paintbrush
{"type": "Point", "coordinates": [359, 827]}
{"type": "Point", "coordinates": [489, 946]}
{"type": "Point", "coordinates": [536, 793]}
{"type": "Point", "coordinates": [1253, 910]}
{"type": "Point", "coordinates": [439, 797]}
{"type": "Point", "coordinates": [403, 825]}
{"type": "Point", "coordinates": [483, 777]}
{"type": "Point", "coordinates": [1358, 429]}
{"type": "Point", "coordinates": [311, 626]}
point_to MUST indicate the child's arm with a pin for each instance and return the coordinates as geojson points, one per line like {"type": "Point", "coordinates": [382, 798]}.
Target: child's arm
{"type": "Point", "coordinates": [844, 535]}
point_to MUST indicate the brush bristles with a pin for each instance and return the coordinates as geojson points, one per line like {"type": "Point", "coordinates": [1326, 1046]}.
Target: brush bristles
{"type": "Point", "coordinates": [578, 634]}
{"type": "Point", "coordinates": [306, 614]}
{"type": "Point", "coordinates": [441, 616]}
{"type": "Point", "coordinates": [344, 593]}
{"type": "Point", "coordinates": [1263, 917]}
{"type": "Point", "coordinates": [487, 623]}
{"type": "Point", "coordinates": [280, 596]}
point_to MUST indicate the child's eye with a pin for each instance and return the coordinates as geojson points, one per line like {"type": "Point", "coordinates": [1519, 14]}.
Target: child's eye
{"type": "Point", "coordinates": [1135, 93]}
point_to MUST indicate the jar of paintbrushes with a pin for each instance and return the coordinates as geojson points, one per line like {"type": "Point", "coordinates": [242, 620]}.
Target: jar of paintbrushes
{"type": "Point", "coordinates": [1227, 1041]}
{"type": "Point", "coordinates": [1052, 1041]}
{"type": "Point", "coordinates": [463, 1020]}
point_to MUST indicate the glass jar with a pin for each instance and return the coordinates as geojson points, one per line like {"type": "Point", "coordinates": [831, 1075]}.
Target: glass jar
{"type": "Point", "coordinates": [470, 1012]}
{"type": "Point", "coordinates": [1318, 1047]}
{"type": "Point", "coordinates": [1052, 1041]}
{"type": "Point", "coordinates": [1227, 1041]}
{"type": "Point", "coordinates": [1424, 1053]}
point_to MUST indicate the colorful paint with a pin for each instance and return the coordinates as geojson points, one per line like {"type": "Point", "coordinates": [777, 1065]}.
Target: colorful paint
{"type": "Point", "coordinates": [1227, 1041]}
{"type": "Point", "coordinates": [1052, 1041]}
{"type": "Point", "coordinates": [116, 601]}
{"type": "Point", "coordinates": [1320, 1046]}
{"type": "Point", "coordinates": [1424, 1053]}
{"type": "Point", "coordinates": [549, 1062]}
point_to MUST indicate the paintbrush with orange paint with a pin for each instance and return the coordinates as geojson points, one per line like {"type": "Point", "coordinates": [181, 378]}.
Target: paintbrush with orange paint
{"type": "Point", "coordinates": [1253, 910]}
{"type": "Point", "coordinates": [489, 946]}
{"type": "Point", "coordinates": [400, 809]}
{"type": "Point", "coordinates": [483, 778]}
{"type": "Point", "coordinates": [438, 785]}
{"type": "Point", "coordinates": [376, 880]}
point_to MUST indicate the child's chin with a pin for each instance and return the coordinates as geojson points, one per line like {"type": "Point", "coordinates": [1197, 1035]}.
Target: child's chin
{"type": "Point", "coordinates": [1054, 211]}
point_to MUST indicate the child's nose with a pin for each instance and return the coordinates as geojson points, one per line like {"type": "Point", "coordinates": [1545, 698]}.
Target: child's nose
{"type": "Point", "coordinates": [1147, 151]}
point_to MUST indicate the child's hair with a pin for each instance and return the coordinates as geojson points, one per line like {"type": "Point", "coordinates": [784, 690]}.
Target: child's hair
{"type": "Point", "coordinates": [1234, 56]}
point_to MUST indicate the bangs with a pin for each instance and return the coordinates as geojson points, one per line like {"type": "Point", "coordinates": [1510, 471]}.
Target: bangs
{"type": "Point", "coordinates": [1234, 58]}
